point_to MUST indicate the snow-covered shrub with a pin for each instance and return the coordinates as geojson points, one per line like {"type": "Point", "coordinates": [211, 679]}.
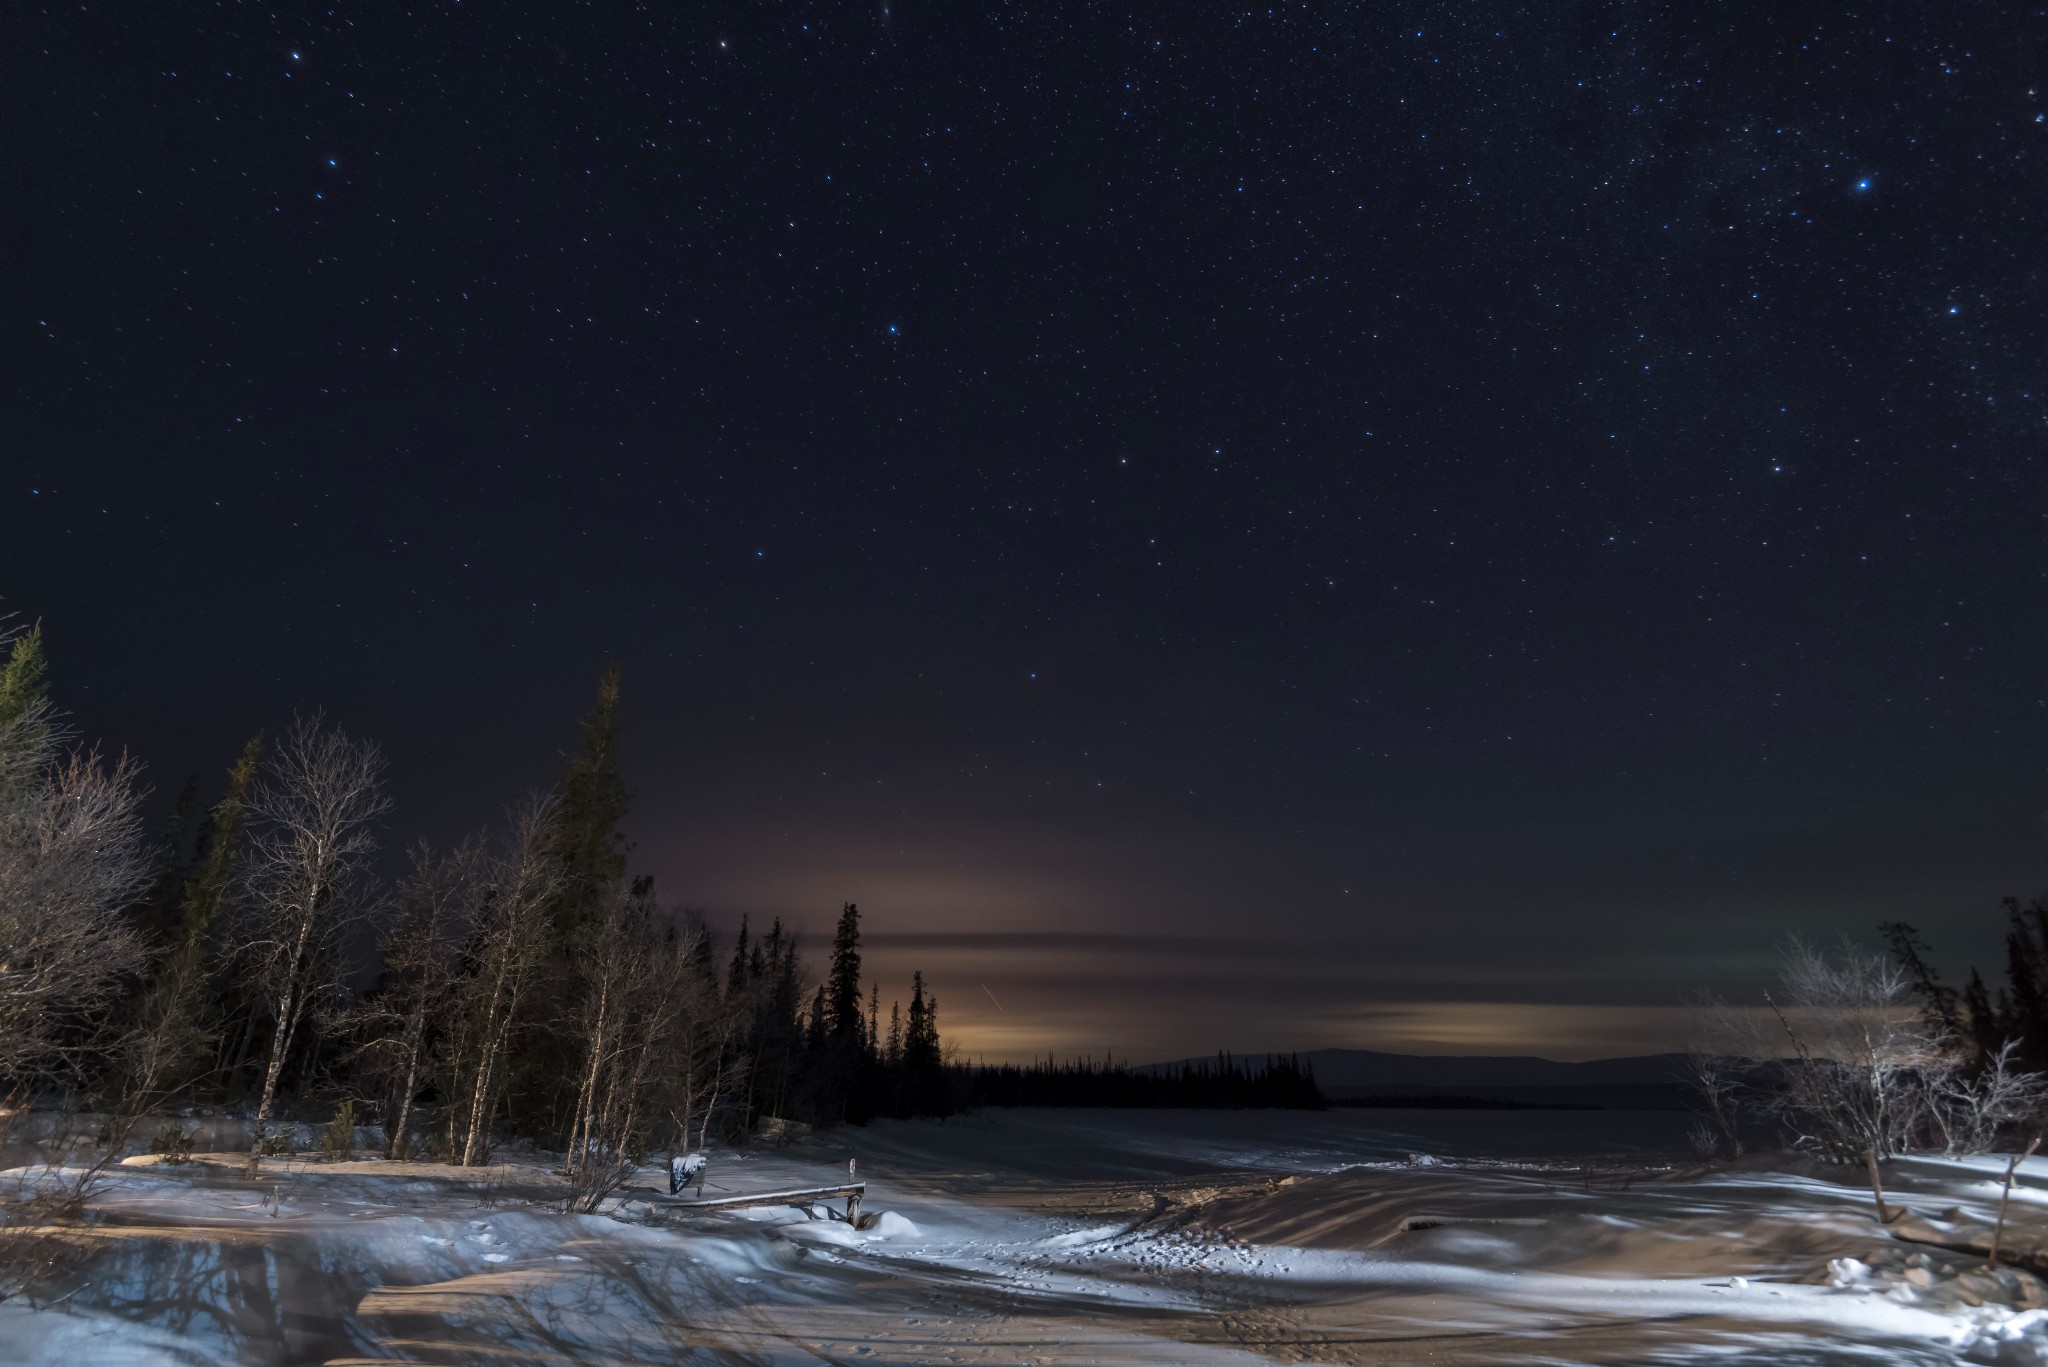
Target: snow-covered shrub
{"type": "Point", "coordinates": [1706, 1141]}
{"type": "Point", "coordinates": [172, 1143]}
{"type": "Point", "coordinates": [1865, 1063]}
{"type": "Point", "coordinates": [1723, 1044]}
{"type": "Point", "coordinates": [1973, 1111]}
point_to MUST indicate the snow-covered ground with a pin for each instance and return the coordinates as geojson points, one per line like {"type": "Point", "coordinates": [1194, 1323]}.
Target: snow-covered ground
{"type": "Point", "coordinates": [1067, 1237]}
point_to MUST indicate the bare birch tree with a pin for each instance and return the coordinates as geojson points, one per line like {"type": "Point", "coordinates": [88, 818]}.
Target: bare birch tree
{"type": "Point", "coordinates": [72, 859]}
{"type": "Point", "coordinates": [420, 948]}
{"type": "Point", "coordinates": [613, 964]}
{"type": "Point", "coordinates": [508, 929]}
{"type": "Point", "coordinates": [703, 1067]}
{"type": "Point", "coordinates": [314, 817]}
{"type": "Point", "coordinates": [639, 981]}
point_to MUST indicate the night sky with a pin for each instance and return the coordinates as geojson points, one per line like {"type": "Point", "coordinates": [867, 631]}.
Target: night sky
{"type": "Point", "coordinates": [1437, 527]}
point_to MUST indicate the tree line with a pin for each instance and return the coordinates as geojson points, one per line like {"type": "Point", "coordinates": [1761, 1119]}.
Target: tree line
{"type": "Point", "coordinates": [1274, 1081]}
{"type": "Point", "coordinates": [518, 984]}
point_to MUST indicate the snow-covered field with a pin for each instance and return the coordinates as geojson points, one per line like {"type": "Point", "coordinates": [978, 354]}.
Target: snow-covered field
{"type": "Point", "coordinates": [1066, 1237]}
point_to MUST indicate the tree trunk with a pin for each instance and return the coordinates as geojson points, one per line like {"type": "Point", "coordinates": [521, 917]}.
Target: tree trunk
{"type": "Point", "coordinates": [288, 1006]}
{"type": "Point", "coordinates": [278, 1045]}
{"type": "Point", "coordinates": [476, 1146]}
{"type": "Point", "coordinates": [477, 1143]}
{"type": "Point", "coordinates": [710, 1106]}
{"type": "Point", "coordinates": [586, 1094]}
{"type": "Point", "coordinates": [394, 1141]}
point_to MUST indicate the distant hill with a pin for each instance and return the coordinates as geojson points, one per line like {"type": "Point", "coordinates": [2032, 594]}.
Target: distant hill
{"type": "Point", "coordinates": [1641, 1082]}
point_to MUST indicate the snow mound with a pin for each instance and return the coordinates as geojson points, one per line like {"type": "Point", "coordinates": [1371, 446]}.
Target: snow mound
{"type": "Point", "coordinates": [889, 1225]}
{"type": "Point", "coordinates": [834, 1232]}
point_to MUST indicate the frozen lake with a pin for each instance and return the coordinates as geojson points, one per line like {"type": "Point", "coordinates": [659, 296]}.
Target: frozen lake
{"type": "Point", "coordinates": [1092, 1144]}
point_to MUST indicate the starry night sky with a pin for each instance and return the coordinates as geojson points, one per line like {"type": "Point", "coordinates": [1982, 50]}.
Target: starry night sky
{"type": "Point", "coordinates": [1430, 526]}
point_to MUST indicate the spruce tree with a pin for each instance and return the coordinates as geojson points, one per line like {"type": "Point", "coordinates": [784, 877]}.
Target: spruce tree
{"type": "Point", "coordinates": [924, 1067]}
{"type": "Point", "coordinates": [175, 855]}
{"type": "Point", "coordinates": [2026, 997]}
{"type": "Point", "coordinates": [776, 1035]}
{"type": "Point", "coordinates": [28, 724]}
{"type": "Point", "coordinates": [817, 1030]}
{"type": "Point", "coordinates": [736, 977]}
{"type": "Point", "coordinates": [1938, 1001]}
{"type": "Point", "coordinates": [1988, 1026]}
{"type": "Point", "coordinates": [184, 1007]}
{"type": "Point", "coordinates": [206, 892]}
{"type": "Point", "coordinates": [593, 801]}
{"type": "Point", "coordinates": [24, 679]}
{"type": "Point", "coordinates": [702, 955]}
{"type": "Point", "coordinates": [842, 989]}
{"type": "Point", "coordinates": [589, 851]}
{"type": "Point", "coordinates": [921, 1038]}
{"type": "Point", "coordinates": [2026, 1001]}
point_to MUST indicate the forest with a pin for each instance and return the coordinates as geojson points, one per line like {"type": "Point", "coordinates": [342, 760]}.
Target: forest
{"type": "Point", "coordinates": [255, 960]}
{"type": "Point", "coordinates": [250, 960]}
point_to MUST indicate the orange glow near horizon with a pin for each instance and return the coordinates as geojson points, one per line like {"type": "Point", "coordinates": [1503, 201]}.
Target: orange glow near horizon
{"type": "Point", "coordinates": [1070, 1002]}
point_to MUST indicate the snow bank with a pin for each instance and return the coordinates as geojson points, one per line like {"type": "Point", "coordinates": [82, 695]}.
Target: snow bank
{"type": "Point", "coordinates": [888, 1225]}
{"type": "Point", "coordinates": [1063, 1238]}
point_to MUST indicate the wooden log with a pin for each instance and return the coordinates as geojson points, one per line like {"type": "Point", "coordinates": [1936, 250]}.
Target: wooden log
{"type": "Point", "coordinates": [796, 1196]}
{"type": "Point", "coordinates": [2033, 1260]}
{"type": "Point", "coordinates": [1976, 1241]}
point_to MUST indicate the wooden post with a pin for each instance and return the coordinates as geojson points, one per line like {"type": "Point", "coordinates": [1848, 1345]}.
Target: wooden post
{"type": "Point", "coordinates": [1884, 1217]}
{"type": "Point", "coordinates": [1998, 1230]}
